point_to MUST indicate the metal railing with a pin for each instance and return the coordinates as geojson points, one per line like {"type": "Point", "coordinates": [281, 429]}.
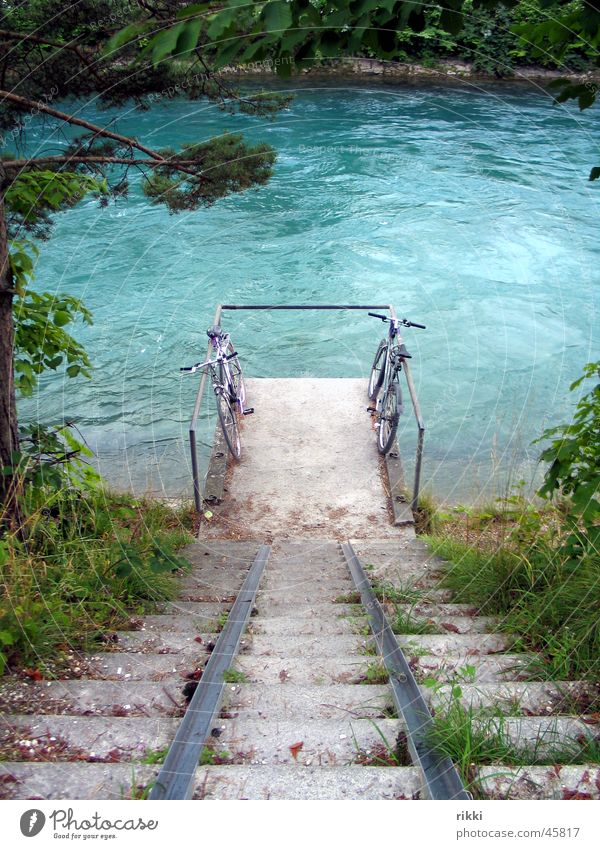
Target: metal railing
{"type": "Point", "coordinates": [406, 369]}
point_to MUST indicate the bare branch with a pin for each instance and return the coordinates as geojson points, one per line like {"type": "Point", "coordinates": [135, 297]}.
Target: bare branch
{"type": "Point", "coordinates": [19, 164]}
{"type": "Point", "coordinates": [25, 103]}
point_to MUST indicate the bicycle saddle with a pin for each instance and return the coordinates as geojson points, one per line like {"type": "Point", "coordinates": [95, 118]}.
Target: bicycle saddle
{"type": "Point", "coordinates": [214, 331]}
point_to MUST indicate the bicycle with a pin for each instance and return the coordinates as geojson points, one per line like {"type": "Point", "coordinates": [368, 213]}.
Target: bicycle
{"type": "Point", "coordinates": [385, 373]}
{"type": "Point", "coordinates": [228, 385]}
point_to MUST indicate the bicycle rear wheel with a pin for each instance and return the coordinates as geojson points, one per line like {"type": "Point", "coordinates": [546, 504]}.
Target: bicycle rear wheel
{"type": "Point", "coordinates": [229, 425]}
{"type": "Point", "coordinates": [377, 369]}
{"type": "Point", "coordinates": [389, 415]}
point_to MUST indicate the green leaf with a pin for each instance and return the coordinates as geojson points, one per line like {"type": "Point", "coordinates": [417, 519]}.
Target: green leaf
{"type": "Point", "coordinates": [61, 318]}
{"type": "Point", "coordinates": [188, 38]}
{"type": "Point", "coordinates": [277, 16]}
{"type": "Point", "coordinates": [194, 9]}
{"type": "Point", "coordinates": [127, 34]}
{"type": "Point", "coordinates": [166, 43]}
{"type": "Point", "coordinates": [220, 22]}
{"type": "Point", "coordinates": [6, 638]}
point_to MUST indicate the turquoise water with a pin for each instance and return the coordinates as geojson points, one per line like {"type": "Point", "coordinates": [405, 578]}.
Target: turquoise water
{"type": "Point", "coordinates": [469, 210]}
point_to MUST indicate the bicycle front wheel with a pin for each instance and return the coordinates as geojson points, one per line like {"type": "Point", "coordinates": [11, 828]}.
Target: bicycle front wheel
{"type": "Point", "coordinates": [377, 370]}
{"type": "Point", "coordinates": [229, 425]}
{"type": "Point", "coordinates": [237, 378]}
{"type": "Point", "coordinates": [389, 415]}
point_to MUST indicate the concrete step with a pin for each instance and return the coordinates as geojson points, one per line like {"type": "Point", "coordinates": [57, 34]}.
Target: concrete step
{"type": "Point", "coordinates": [109, 698]}
{"type": "Point", "coordinates": [544, 735]}
{"type": "Point", "coordinates": [280, 604]}
{"type": "Point", "coordinates": [325, 742]}
{"type": "Point", "coordinates": [181, 623]}
{"type": "Point", "coordinates": [137, 666]}
{"type": "Point", "coordinates": [221, 552]}
{"type": "Point", "coordinates": [301, 782]}
{"type": "Point", "coordinates": [92, 737]}
{"type": "Point", "coordinates": [77, 780]}
{"type": "Point", "coordinates": [449, 624]}
{"type": "Point", "coordinates": [293, 645]}
{"type": "Point", "coordinates": [539, 782]}
{"type": "Point", "coordinates": [324, 670]}
{"type": "Point", "coordinates": [326, 626]}
{"type": "Point", "coordinates": [400, 545]}
{"type": "Point", "coordinates": [520, 697]}
{"type": "Point", "coordinates": [471, 644]}
{"type": "Point", "coordinates": [462, 669]}
{"type": "Point", "coordinates": [441, 610]}
{"type": "Point", "coordinates": [189, 643]}
{"type": "Point", "coordinates": [292, 701]}
{"type": "Point", "coordinates": [201, 610]}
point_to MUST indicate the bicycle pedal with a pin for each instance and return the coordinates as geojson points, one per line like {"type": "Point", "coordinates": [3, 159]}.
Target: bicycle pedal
{"type": "Point", "coordinates": [248, 411]}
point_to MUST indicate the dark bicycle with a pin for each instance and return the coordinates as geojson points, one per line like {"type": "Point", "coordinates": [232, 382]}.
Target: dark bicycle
{"type": "Point", "coordinates": [228, 385]}
{"type": "Point", "coordinates": [384, 381]}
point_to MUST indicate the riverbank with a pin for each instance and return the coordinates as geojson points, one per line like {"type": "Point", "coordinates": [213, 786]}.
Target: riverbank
{"type": "Point", "coordinates": [449, 71]}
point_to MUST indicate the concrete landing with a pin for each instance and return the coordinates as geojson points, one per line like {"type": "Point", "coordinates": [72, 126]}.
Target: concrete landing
{"type": "Point", "coordinates": [309, 467]}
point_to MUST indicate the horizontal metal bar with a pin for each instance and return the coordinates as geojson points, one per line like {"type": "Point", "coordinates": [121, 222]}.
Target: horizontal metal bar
{"type": "Point", "coordinates": [442, 781]}
{"type": "Point", "coordinates": [176, 777]}
{"type": "Point", "coordinates": [305, 307]}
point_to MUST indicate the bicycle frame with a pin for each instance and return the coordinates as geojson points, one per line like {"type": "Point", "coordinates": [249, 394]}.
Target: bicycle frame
{"type": "Point", "coordinates": [220, 344]}
{"type": "Point", "coordinates": [393, 362]}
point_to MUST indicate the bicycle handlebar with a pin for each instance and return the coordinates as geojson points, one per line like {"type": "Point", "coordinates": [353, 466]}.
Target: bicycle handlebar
{"type": "Point", "coordinates": [404, 321]}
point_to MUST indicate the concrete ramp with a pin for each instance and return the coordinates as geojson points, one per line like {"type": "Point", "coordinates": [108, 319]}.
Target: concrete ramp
{"type": "Point", "coordinates": [309, 465]}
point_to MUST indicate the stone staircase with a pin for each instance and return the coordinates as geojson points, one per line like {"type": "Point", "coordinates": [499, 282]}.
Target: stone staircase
{"type": "Point", "coordinates": [303, 714]}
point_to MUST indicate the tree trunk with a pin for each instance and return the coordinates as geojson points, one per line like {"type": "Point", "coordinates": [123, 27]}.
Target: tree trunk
{"type": "Point", "coordinates": [9, 438]}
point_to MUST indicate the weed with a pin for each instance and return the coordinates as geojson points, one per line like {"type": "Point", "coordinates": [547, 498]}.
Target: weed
{"type": "Point", "coordinates": [220, 622]}
{"type": "Point", "coordinates": [234, 676]}
{"type": "Point", "coordinates": [209, 757]}
{"type": "Point", "coordinates": [369, 649]}
{"type": "Point", "coordinates": [471, 737]}
{"type": "Point", "coordinates": [375, 673]}
{"type": "Point", "coordinates": [384, 753]}
{"type": "Point", "coordinates": [90, 561]}
{"type": "Point", "coordinates": [550, 603]}
{"type": "Point", "coordinates": [427, 517]}
{"type": "Point", "coordinates": [405, 623]}
{"type": "Point", "coordinates": [352, 597]}
{"type": "Point", "coordinates": [156, 756]}
{"type": "Point", "coordinates": [386, 592]}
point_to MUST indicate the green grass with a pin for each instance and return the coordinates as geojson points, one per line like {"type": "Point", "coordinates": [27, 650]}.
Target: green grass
{"type": "Point", "coordinates": [385, 592]}
{"type": "Point", "coordinates": [352, 597]}
{"type": "Point", "coordinates": [155, 757]}
{"type": "Point", "coordinates": [90, 562]}
{"type": "Point", "coordinates": [404, 622]}
{"type": "Point", "coordinates": [550, 603]}
{"type": "Point", "coordinates": [210, 757]}
{"type": "Point", "coordinates": [472, 738]}
{"type": "Point", "coordinates": [234, 676]}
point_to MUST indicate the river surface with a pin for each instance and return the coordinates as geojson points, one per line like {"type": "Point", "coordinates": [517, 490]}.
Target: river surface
{"type": "Point", "coordinates": [468, 209]}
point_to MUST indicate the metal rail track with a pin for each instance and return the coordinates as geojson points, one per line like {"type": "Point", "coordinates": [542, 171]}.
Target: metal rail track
{"type": "Point", "coordinates": [176, 777]}
{"type": "Point", "coordinates": [442, 781]}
